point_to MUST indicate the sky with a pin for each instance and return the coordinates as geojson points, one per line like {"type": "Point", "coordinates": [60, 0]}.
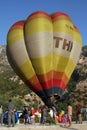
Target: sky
{"type": "Point", "coordinates": [12, 11]}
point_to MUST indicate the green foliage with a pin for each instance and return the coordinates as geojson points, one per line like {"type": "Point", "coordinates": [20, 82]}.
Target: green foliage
{"type": "Point", "coordinates": [84, 51]}
{"type": "Point", "coordinates": [10, 88]}
{"type": "Point", "coordinates": [19, 104]}
{"type": "Point", "coordinates": [61, 105]}
{"type": "Point", "coordinates": [4, 102]}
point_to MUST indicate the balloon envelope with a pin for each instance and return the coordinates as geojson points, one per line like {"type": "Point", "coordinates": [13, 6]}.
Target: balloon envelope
{"type": "Point", "coordinates": [42, 50]}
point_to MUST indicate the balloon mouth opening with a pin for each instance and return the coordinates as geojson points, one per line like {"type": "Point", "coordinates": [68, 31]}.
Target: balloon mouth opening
{"type": "Point", "coordinates": [54, 97]}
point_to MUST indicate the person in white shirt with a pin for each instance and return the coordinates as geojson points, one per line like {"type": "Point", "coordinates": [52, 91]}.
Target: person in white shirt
{"type": "Point", "coordinates": [51, 113]}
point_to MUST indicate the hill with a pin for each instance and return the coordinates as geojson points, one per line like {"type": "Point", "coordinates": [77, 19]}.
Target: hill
{"type": "Point", "coordinates": [77, 85]}
{"type": "Point", "coordinates": [12, 86]}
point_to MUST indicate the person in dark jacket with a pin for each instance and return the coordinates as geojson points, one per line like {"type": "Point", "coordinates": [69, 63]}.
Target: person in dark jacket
{"type": "Point", "coordinates": [11, 113]}
{"type": "Point", "coordinates": [25, 114]}
{"type": "Point", "coordinates": [78, 114]}
{"type": "Point", "coordinates": [43, 115]}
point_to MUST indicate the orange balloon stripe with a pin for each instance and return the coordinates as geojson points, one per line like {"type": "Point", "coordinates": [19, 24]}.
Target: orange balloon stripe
{"type": "Point", "coordinates": [35, 87]}
{"type": "Point", "coordinates": [34, 80]}
{"type": "Point", "coordinates": [45, 77]}
{"type": "Point", "coordinates": [38, 12]}
{"type": "Point", "coordinates": [56, 14]}
{"type": "Point", "coordinates": [56, 75]}
{"type": "Point", "coordinates": [18, 25]}
{"type": "Point", "coordinates": [60, 16]}
{"type": "Point", "coordinates": [52, 83]}
{"type": "Point", "coordinates": [21, 23]}
{"type": "Point", "coordinates": [38, 15]}
{"type": "Point", "coordinates": [60, 75]}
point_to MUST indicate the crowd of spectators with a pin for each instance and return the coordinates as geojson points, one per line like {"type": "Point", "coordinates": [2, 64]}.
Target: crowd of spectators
{"type": "Point", "coordinates": [42, 115]}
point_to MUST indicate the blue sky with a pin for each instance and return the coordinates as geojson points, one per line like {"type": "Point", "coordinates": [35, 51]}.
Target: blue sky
{"type": "Point", "coordinates": [15, 10]}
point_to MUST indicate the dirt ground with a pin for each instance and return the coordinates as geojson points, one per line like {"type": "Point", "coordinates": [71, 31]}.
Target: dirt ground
{"type": "Point", "coordinates": [74, 126]}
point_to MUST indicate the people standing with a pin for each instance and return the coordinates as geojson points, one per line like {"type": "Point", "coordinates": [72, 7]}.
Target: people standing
{"type": "Point", "coordinates": [39, 114]}
{"type": "Point", "coordinates": [51, 113]}
{"type": "Point", "coordinates": [86, 114]}
{"type": "Point", "coordinates": [78, 114]}
{"type": "Point", "coordinates": [32, 116]}
{"type": "Point", "coordinates": [69, 109]}
{"type": "Point", "coordinates": [25, 114]}
{"type": "Point", "coordinates": [11, 113]}
{"type": "Point", "coordinates": [43, 115]}
{"type": "Point", "coordinates": [1, 114]}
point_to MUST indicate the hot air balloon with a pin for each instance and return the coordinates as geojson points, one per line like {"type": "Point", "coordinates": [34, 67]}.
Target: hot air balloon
{"type": "Point", "coordinates": [44, 50]}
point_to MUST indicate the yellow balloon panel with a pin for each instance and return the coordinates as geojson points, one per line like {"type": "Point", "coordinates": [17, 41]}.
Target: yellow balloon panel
{"type": "Point", "coordinates": [38, 24]}
{"type": "Point", "coordinates": [16, 35]}
{"type": "Point", "coordinates": [19, 59]}
{"type": "Point", "coordinates": [65, 46]}
{"type": "Point", "coordinates": [39, 42]}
